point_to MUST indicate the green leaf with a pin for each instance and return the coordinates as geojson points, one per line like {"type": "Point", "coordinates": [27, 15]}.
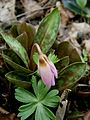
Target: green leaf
{"type": "Point", "coordinates": [13, 30]}
{"type": "Point", "coordinates": [23, 39]}
{"type": "Point", "coordinates": [70, 75]}
{"type": "Point", "coordinates": [47, 30]}
{"type": "Point", "coordinates": [25, 107]}
{"type": "Point", "coordinates": [25, 114]}
{"type": "Point", "coordinates": [81, 3]}
{"type": "Point", "coordinates": [34, 85]}
{"type": "Point", "coordinates": [16, 66]}
{"type": "Point", "coordinates": [16, 47]}
{"type": "Point", "coordinates": [65, 48]}
{"type": "Point", "coordinates": [50, 99]}
{"type": "Point", "coordinates": [84, 55]}
{"type": "Point", "coordinates": [43, 113]}
{"type": "Point", "coordinates": [35, 57]}
{"type": "Point", "coordinates": [53, 58]}
{"type": "Point", "coordinates": [24, 96]}
{"type": "Point", "coordinates": [49, 113]}
{"type": "Point", "coordinates": [13, 56]}
{"type": "Point", "coordinates": [40, 114]}
{"type": "Point", "coordinates": [17, 80]}
{"type": "Point", "coordinates": [63, 62]}
{"type": "Point", "coordinates": [30, 31]}
{"type": "Point", "coordinates": [42, 90]}
{"type": "Point", "coordinates": [72, 5]}
{"type": "Point", "coordinates": [38, 102]}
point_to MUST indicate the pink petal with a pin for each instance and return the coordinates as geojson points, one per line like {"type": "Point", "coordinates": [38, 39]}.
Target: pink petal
{"type": "Point", "coordinates": [53, 81]}
{"type": "Point", "coordinates": [53, 69]}
{"type": "Point", "coordinates": [46, 75]}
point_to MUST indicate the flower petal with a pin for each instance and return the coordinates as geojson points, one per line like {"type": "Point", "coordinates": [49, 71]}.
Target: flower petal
{"type": "Point", "coordinates": [53, 81]}
{"type": "Point", "coordinates": [46, 75]}
{"type": "Point", "coordinates": [53, 69]}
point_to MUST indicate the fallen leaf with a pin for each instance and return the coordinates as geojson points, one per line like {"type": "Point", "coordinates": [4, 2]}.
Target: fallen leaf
{"type": "Point", "coordinates": [32, 8]}
{"type": "Point", "coordinates": [60, 113]}
{"type": "Point", "coordinates": [7, 12]}
{"type": "Point", "coordinates": [65, 14]}
{"type": "Point", "coordinates": [87, 116]}
{"type": "Point", "coordinates": [80, 27]}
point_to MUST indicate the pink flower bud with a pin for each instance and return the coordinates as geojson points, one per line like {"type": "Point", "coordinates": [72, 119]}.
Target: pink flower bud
{"type": "Point", "coordinates": [47, 70]}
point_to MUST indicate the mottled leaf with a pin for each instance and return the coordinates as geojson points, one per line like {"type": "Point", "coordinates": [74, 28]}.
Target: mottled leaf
{"type": "Point", "coordinates": [16, 66]}
{"type": "Point", "coordinates": [63, 62]}
{"type": "Point", "coordinates": [71, 74]}
{"type": "Point", "coordinates": [17, 80]}
{"type": "Point", "coordinates": [30, 31]}
{"type": "Point", "coordinates": [47, 30]}
{"type": "Point", "coordinates": [23, 39]}
{"type": "Point", "coordinates": [16, 47]}
{"type": "Point", "coordinates": [14, 31]}
{"type": "Point", "coordinates": [65, 48]}
{"type": "Point", "coordinates": [13, 56]}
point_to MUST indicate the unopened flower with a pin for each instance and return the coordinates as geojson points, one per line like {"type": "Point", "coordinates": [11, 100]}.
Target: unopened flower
{"type": "Point", "coordinates": [47, 70]}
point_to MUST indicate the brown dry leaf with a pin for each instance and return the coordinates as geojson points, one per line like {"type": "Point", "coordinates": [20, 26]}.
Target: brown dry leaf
{"type": "Point", "coordinates": [43, 1]}
{"type": "Point", "coordinates": [65, 14]}
{"type": "Point", "coordinates": [32, 8]}
{"type": "Point", "coordinates": [80, 27]}
{"type": "Point", "coordinates": [60, 113]}
{"type": "Point", "coordinates": [87, 116]}
{"type": "Point", "coordinates": [10, 116]}
{"type": "Point", "coordinates": [86, 44]}
{"type": "Point", "coordinates": [5, 115]}
{"type": "Point", "coordinates": [7, 11]}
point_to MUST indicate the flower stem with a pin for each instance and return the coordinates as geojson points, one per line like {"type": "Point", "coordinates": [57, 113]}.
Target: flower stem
{"type": "Point", "coordinates": [37, 47]}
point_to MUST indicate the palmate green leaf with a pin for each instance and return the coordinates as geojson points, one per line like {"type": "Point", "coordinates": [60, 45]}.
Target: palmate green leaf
{"type": "Point", "coordinates": [42, 90]}
{"type": "Point", "coordinates": [49, 113]}
{"type": "Point", "coordinates": [17, 80]}
{"type": "Point", "coordinates": [43, 113]}
{"type": "Point", "coordinates": [27, 112]}
{"type": "Point", "coordinates": [53, 58]}
{"type": "Point", "coordinates": [37, 103]}
{"type": "Point", "coordinates": [25, 107]}
{"type": "Point", "coordinates": [34, 85]}
{"type": "Point", "coordinates": [24, 96]}
{"type": "Point", "coordinates": [70, 75]}
{"type": "Point", "coordinates": [47, 30]}
{"type": "Point", "coordinates": [16, 47]}
{"type": "Point", "coordinates": [50, 99]}
{"type": "Point", "coordinates": [39, 88]}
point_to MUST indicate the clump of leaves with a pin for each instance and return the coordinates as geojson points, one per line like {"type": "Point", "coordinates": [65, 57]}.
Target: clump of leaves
{"type": "Point", "coordinates": [39, 102]}
{"type": "Point", "coordinates": [20, 42]}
